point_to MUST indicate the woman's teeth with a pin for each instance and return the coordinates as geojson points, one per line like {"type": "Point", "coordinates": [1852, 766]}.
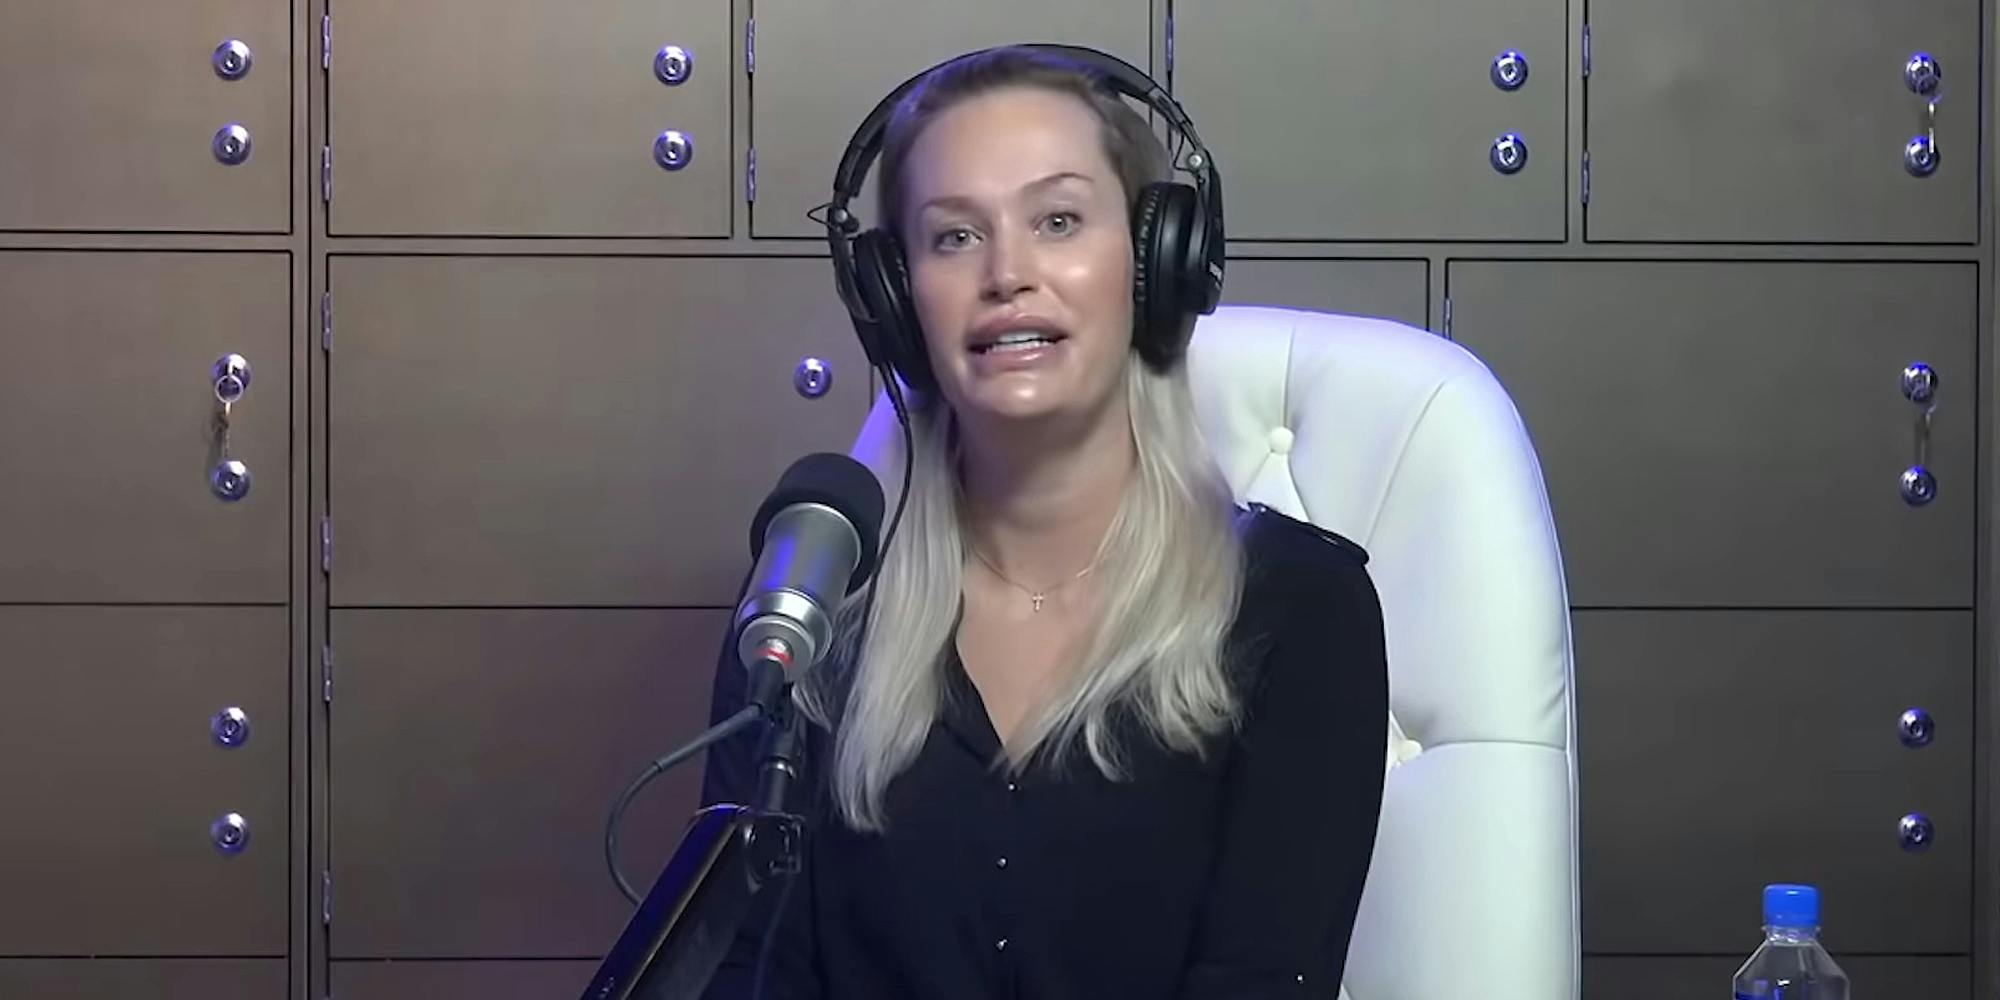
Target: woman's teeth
{"type": "Point", "coordinates": [1017, 342]}
{"type": "Point", "coordinates": [1019, 345]}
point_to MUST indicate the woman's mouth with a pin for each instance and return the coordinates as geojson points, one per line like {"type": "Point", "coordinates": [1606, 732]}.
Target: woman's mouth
{"type": "Point", "coordinates": [1018, 342]}
{"type": "Point", "coordinates": [1016, 350]}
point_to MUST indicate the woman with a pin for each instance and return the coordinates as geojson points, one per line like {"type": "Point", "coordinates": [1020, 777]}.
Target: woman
{"type": "Point", "coordinates": [1107, 734]}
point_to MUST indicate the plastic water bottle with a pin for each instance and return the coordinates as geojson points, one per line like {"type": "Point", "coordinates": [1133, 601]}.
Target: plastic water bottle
{"type": "Point", "coordinates": [1791, 965]}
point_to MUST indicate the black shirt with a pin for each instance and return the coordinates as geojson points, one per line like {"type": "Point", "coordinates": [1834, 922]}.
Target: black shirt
{"type": "Point", "coordinates": [1237, 875]}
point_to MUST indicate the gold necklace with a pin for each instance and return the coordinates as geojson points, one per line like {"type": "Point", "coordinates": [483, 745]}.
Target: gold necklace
{"type": "Point", "coordinates": [1037, 596]}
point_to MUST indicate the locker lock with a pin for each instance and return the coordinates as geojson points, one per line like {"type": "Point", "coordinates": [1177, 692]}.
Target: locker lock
{"type": "Point", "coordinates": [231, 144]}
{"type": "Point", "coordinates": [1916, 728]}
{"type": "Point", "coordinates": [231, 833]}
{"type": "Point", "coordinates": [673, 149]}
{"type": "Point", "coordinates": [231, 373]}
{"type": "Point", "coordinates": [230, 727]}
{"type": "Point", "coordinates": [231, 59]}
{"type": "Point", "coordinates": [812, 378]}
{"type": "Point", "coordinates": [1509, 153]}
{"type": "Point", "coordinates": [1510, 70]}
{"type": "Point", "coordinates": [1916, 832]}
{"type": "Point", "coordinates": [230, 479]}
{"type": "Point", "coordinates": [1919, 383]}
{"type": "Point", "coordinates": [673, 65]}
{"type": "Point", "coordinates": [1922, 73]}
{"type": "Point", "coordinates": [1920, 156]}
{"type": "Point", "coordinates": [1919, 487]}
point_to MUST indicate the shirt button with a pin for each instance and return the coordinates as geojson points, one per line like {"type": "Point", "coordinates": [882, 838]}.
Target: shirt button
{"type": "Point", "coordinates": [1013, 787]}
{"type": "Point", "coordinates": [1000, 945]}
{"type": "Point", "coordinates": [1002, 862]}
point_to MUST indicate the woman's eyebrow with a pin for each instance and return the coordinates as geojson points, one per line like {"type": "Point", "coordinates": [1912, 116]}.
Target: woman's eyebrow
{"type": "Point", "coordinates": [961, 201]}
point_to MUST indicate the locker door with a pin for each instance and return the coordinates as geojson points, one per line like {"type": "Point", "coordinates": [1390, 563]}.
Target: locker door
{"type": "Point", "coordinates": [1380, 122]}
{"type": "Point", "coordinates": [146, 117]}
{"type": "Point", "coordinates": [1726, 749]}
{"type": "Point", "coordinates": [520, 118]}
{"type": "Point", "coordinates": [111, 414]}
{"type": "Point", "coordinates": [1736, 434]}
{"type": "Point", "coordinates": [1721, 121]}
{"type": "Point", "coordinates": [148, 810]}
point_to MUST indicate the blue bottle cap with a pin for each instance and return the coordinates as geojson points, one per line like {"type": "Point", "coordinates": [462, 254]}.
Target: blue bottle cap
{"type": "Point", "coordinates": [1787, 905]}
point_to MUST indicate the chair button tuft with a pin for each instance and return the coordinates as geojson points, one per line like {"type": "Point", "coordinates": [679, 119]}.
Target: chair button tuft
{"type": "Point", "coordinates": [1281, 440]}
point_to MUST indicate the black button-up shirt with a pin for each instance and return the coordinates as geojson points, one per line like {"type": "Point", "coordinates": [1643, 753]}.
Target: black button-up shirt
{"type": "Point", "coordinates": [1236, 876]}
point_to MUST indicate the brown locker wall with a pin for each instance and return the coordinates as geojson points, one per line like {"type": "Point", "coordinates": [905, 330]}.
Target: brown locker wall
{"type": "Point", "coordinates": [532, 314]}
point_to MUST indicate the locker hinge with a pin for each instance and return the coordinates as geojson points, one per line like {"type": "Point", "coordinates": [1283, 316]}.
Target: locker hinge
{"type": "Point", "coordinates": [326, 321]}
{"type": "Point", "coordinates": [1586, 50]}
{"type": "Point", "coordinates": [326, 545]}
{"type": "Point", "coordinates": [1447, 317]}
{"type": "Point", "coordinates": [326, 41]}
{"type": "Point", "coordinates": [750, 47]}
{"type": "Point", "coordinates": [326, 174]}
{"type": "Point", "coordinates": [326, 674]}
{"type": "Point", "coordinates": [1586, 177]}
{"type": "Point", "coordinates": [326, 898]}
{"type": "Point", "coordinates": [750, 176]}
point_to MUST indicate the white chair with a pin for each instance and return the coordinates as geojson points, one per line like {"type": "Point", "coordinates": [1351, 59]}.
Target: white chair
{"type": "Point", "coordinates": [1406, 443]}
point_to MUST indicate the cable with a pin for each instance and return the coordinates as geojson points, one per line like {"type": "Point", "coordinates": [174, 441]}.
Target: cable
{"type": "Point", "coordinates": [749, 716]}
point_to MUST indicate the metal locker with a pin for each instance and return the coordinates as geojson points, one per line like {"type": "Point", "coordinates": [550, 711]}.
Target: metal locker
{"type": "Point", "coordinates": [1796, 122]}
{"type": "Point", "coordinates": [570, 430]}
{"type": "Point", "coordinates": [1391, 289]}
{"type": "Point", "coordinates": [820, 68]}
{"type": "Point", "coordinates": [474, 754]}
{"type": "Point", "coordinates": [1726, 749]}
{"type": "Point", "coordinates": [1738, 433]}
{"type": "Point", "coordinates": [521, 118]}
{"type": "Point", "coordinates": [524, 979]}
{"type": "Point", "coordinates": [149, 785]}
{"type": "Point", "coordinates": [1415, 120]}
{"type": "Point", "coordinates": [149, 404]}
{"type": "Point", "coordinates": [179, 119]}
{"type": "Point", "coordinates": [152, 978]}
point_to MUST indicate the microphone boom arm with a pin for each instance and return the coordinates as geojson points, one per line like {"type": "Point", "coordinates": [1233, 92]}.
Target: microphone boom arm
{"type": "Point", "coordinates": [730, 853]}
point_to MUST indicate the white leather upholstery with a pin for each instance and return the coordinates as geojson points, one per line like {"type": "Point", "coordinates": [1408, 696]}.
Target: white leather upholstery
{"type": "Point", "coordinates": [1406, 443]}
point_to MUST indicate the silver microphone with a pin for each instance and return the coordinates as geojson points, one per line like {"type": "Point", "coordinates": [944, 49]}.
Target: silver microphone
{"type": "Point", "coordinates": [814, 539]}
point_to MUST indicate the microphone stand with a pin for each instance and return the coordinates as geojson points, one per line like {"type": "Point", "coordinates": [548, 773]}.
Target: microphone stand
{"type": "Point", "coordinates": [730, 853]}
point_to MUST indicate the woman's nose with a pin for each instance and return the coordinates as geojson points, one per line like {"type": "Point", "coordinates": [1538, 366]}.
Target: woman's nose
{"type": "Point", "coordinates": [1009, 267]}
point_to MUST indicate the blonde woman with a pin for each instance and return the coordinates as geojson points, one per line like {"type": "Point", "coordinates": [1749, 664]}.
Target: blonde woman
{"type": "Point", "coordinates": [1107, 734]}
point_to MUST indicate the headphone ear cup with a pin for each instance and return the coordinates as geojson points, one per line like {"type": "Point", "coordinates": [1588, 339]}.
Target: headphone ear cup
{"type": "Point", "coordinates": [883, 279]}
{"type": "Point", "coordinates": [1168, 270]}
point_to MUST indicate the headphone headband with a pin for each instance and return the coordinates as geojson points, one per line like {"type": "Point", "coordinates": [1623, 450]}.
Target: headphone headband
{"type": "Point", "coordinates": [866, 144]}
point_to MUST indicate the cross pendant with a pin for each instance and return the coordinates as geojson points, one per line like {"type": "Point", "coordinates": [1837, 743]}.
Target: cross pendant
{"type": "Point", "coordinates": [1037, 598]}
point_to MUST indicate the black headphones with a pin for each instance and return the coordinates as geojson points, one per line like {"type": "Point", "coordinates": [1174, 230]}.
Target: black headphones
{"type": "Point", "coordinates": [1177, 239]}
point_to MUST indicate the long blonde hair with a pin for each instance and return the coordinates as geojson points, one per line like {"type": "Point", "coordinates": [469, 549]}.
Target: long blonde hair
{"type": "Point", "coordinates": [1158, 650]}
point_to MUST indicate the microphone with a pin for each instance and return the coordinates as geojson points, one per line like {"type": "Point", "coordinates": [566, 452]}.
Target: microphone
{"type": "Point", "coordinates": [814, 539]}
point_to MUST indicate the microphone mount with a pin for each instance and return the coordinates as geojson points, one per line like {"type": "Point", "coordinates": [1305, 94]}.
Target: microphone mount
{"type": "Point", "coordinates": [729, 855]}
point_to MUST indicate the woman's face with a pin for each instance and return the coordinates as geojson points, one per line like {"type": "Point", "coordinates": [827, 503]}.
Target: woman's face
{"type": "Point", "coordinates": [1020, 256]}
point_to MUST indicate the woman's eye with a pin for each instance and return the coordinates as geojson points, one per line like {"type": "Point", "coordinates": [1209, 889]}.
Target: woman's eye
{"type": "Point", "coordinates": [1062, 222]}
{"type": "Point", "coordinates": [952, 238]}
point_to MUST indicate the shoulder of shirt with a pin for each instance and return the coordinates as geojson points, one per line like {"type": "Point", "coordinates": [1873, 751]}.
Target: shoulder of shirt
{"type": "Point", "coordinates": [1303, 581]}
{"type": "Point", "coordinates": [1269, 533]}
{"type": "Point", "coordinates": [1298, 575]}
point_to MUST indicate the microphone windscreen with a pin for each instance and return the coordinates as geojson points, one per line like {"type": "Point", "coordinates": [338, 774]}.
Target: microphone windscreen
{"type": "Point", "coordinates": [839, 482]}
